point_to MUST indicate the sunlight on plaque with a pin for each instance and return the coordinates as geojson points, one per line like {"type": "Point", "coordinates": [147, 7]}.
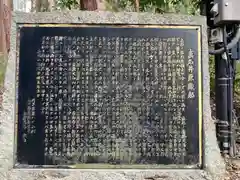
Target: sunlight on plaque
{"type": "Point", "coordinates": [109, 97]}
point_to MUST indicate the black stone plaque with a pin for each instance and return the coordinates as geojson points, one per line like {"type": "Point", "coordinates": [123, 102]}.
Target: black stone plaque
{"type": "Point", "coordinates": [109, 95]}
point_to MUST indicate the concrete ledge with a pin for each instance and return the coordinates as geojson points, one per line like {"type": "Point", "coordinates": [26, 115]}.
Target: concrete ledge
{"type": "Point", "coordinates": [214, 167]}
{"type": "Point", "coordinates": [106, 175]}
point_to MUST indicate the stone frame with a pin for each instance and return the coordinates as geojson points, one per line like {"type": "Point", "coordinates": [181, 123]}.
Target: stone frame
{"type": "Point", "coordinates": [214, 166]}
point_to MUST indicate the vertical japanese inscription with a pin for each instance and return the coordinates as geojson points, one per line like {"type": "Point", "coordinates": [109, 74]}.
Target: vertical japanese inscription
{"type": "Point", "coordinates": [110, 97]}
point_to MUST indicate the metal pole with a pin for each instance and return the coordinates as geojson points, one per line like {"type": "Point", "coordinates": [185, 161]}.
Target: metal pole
{"type": "Point", "coordinates": [222, 81]}
{"type": "Point", "coordinates": [223, 89]}
{"type": "Point", "coordinates": [230, 111]}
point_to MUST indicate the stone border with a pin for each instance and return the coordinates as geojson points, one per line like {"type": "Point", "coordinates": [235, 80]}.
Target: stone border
{"type": "Point", "coordinates": [214, 166]}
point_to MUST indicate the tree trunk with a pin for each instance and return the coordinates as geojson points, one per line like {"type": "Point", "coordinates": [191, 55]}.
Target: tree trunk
{"type": "Point", "coordinates": [32, 5]}
{"type": "Point", "coordinates": [90, 5]}
{"type": "Point", "coordinates": [51, 4]}
{"type": "Point", "coordinates": [137, 5]}
{"type": "Point", "coordinates": [2, 31]}
{"type": "Point", "coordinates": [10, 4]}
{"type": "Point", "coordinates": [5, 21]}
{"type": "Point", "coordinates": [100, 5]}
{"type": "Point", "coordinates": [38, 5]}
{"type": "Point", "coordinates": [45, 5]}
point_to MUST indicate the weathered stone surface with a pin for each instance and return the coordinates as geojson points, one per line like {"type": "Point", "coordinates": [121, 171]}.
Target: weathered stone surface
{"type": "Point", "coordinates": [214, 165]}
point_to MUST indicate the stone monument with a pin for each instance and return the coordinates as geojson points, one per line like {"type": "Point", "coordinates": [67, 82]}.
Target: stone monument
{"type": "Point", "coordinates": [28, 104]}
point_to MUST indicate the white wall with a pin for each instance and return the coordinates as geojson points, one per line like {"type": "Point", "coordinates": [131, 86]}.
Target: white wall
{"type": "Point", "coordinates": [22, 5]}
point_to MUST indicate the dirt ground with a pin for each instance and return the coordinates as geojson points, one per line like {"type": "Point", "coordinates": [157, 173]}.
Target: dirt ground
{"type": "Point", "coordinates": [233, 169]}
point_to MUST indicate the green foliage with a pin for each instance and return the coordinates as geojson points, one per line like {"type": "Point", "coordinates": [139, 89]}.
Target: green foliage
{"type": "Point", "coordinates": [157, 6]}
{"type": "Point", "coordinates": [3, 61]}
{"type": "Point", "coordinates": [212, 74]}
{"type": "Point", "coordinates": [237, 80]}
{"type": "Point", "coordinates": [67, 4]}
